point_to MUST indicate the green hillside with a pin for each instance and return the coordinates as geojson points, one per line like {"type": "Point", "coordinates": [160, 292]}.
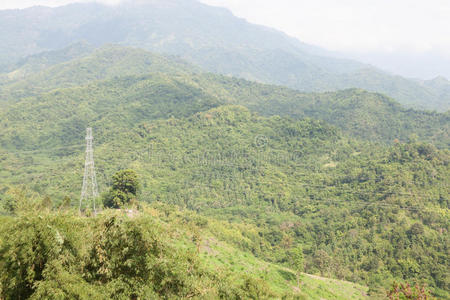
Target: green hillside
{"type": "Point", "coordinates": [317, 74]}
{"type": "Point", "coordinates": [209, 37]}
{"type": "Point", "coordinates": [105, 63]}
{"type": "Point", "coordinates": [41, 61]}
{"type": "Point", "coordinates": [363, 213]}
{"type": "Point", "coordinates": [176, 253]}
{"type": "Point", "coordinates": [238, 179]}
{"type": "Point", "coordinates": [361, 114]}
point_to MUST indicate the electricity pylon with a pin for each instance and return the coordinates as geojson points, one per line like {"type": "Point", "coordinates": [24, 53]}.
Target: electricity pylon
{"type": "Point", "coordinates": [90, 189]}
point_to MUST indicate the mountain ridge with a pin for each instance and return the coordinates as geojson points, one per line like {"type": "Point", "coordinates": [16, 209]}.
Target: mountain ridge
{"type": "Point", "coordinates": [359, 113]}
{"type": "Point", "coordinates": [208, 37]}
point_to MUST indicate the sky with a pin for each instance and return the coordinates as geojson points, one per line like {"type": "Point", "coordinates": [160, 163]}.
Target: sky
{"type": "Point", "coordinates": [354, 25]}
{"type": "Point", "coordinates": [406, 37]}
{"type": "Point", "coordinates": [389, 33]}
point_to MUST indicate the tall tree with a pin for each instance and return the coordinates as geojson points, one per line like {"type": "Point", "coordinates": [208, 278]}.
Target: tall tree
{"type": "Point", "coordinates": [124, 189]}
{"type": "Point", "coordinates": [297, 262]}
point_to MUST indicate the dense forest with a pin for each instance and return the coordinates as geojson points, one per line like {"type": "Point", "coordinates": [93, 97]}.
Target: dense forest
{"type": "Point", "coordinates": [147, 85]}
{"type": "Point", "coordinates": [287, 182]}
{"type": "Point", "coordinates": [215, 187]}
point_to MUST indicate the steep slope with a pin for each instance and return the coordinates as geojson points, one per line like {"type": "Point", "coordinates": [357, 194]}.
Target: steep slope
{"type": "Point", "coordinates": [210, 37]}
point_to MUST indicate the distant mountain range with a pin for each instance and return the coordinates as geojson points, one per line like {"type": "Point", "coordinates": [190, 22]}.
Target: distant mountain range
{"type": "Point", "coordinates": [209, 37]}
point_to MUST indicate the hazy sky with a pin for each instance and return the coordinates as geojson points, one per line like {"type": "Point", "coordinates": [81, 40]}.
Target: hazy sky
{"type": "Point", "coordinates": [415, 27]}
{"type": "Point", "coordinates": [349, 25]}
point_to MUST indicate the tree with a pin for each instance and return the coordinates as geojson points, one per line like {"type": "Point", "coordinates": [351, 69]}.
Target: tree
{"type": "Point", "coordinates": [416, 229]}
{"type": "Point", "coordinates": [296, 256]}
{"type": "Point", "coordinates": [322, 261]}
{"type": "Point", "coordinates": [18, 200]}
{"type": "Point", "coordinates": [124, 190]}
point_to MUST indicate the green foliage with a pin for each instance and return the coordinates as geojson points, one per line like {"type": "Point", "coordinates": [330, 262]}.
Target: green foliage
{"type": "Point", "coordinates": [46, 203]}
{"type": "Point", "coordinates": [18, 200]}
{"type": "Point", "coordinates": [9, 204]}
{"type": "Point", "coordinates": [126, 181]}
{"type": "Point", "coordinates": [297, 260]}
{"type": "Point", "coordinates": [363, 210]}
{"type": "Point", "coordinates": [24, 257]}
{"type": "Point", "coordinates": [128, 260]}
{"type": "Point", "coordinates": [108, 257]}
{"type": "Point", "coordinates": [127, 102]}
{"type": "Point", "coordinates": [90, 65]}
{"type": "Point", "coordinates": [66, 203]}
{"type": "Point", "coordinates": [350, 204]}
{"type": "Point", "coordinates": [124, 189]}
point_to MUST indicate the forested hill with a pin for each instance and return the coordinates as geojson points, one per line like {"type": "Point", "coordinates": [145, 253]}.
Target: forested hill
{"type": "Point", "coordinates": [281, 168]}
{"type": "Point", "coordinates": [84, 66]}
{"type": "Point", "coordinates": [209, 37]}
{"type": "Point", "coordinates": [40, 61]}
{"type": "Point", "coordinates": [168, 87]}
{"type": "Point", "coordinates": [362, 212]}
{"type": "Point", "coordinates": [212, 186]}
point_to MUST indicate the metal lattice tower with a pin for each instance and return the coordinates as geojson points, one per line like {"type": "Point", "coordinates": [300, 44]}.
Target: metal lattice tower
{"type": "Point", "coordinates": [90, 189]}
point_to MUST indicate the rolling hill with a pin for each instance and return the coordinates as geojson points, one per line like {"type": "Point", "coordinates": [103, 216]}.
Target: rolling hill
{"type": "Point", "coordinates": [105, 63]}
{"type": "Point", "coordinates": [114, 76]}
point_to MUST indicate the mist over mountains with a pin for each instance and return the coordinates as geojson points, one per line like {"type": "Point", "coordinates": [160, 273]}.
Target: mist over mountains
{"type": "Point", "coordinates": [209, 37]}
{"type": "Point", "coordinates": [426, 65]}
